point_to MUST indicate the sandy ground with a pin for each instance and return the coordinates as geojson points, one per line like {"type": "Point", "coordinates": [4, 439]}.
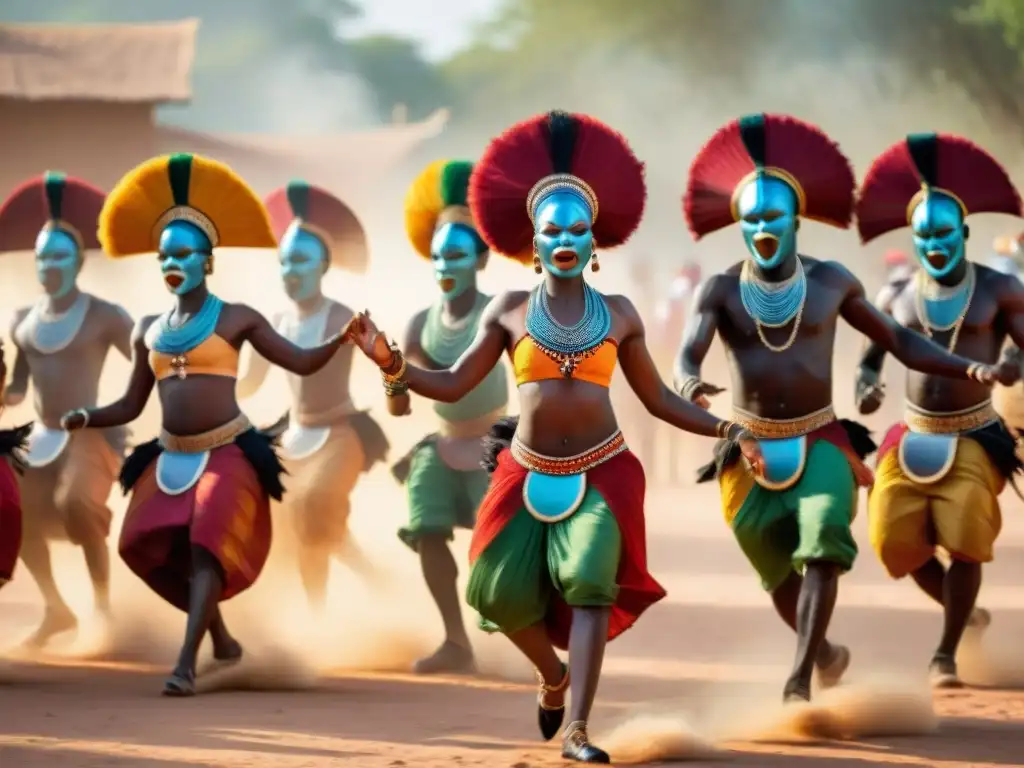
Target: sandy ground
{"type": "Point", "coordinates": [697, 680]}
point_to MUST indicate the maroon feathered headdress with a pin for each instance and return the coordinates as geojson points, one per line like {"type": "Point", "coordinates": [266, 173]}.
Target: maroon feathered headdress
{"type": "Point", "coordinates": [322, 214]}
{"type": "Point", "coordinates": [53, 201]}
{"type": "Point", "coordinates": [549, 151]}
{"type": "Point", "coordinates": [783, 147]}
{"type": "Point", "coordinates": [901, 176]}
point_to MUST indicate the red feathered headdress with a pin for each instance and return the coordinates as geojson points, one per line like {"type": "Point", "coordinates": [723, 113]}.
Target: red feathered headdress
{"type": "Point", "coordinates": [901, 176]}
{"type": "Point", "coordinates": [322, 214]}
{"type": "Point", "coordinates": [550, 151]}
{"type": "Point", "coordinates": [53, 201]}
{"type": "Point", "coordinates": [783, 147]}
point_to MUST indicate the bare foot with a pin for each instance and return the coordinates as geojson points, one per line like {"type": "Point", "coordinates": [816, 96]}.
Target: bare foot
{"type": "Point", "coordinates": [450, 657]}
{"type": "Point", "coordinates": [56, 621]}
{"type": "Point", "coordinates": [943, 674]}
{"type": "Point", "coordinates": [831, 671]}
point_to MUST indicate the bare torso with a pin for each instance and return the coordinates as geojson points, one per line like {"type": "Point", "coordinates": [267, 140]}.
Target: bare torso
{"type": "Point", "coordinates": [982, 337]}
{"type": "Point", "coordinates": [69, 378]}
{"type": "Point", "coordinates": [794, 382]}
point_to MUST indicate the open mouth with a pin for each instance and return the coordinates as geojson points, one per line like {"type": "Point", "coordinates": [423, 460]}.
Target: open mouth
{"type": "Point", "coordinates": [564, 258]}
{"type": "Point", "coordinates": [447, 284]}
{"type": "Point", "coordinates": [936, 259]}
{"type": "Point", "coordinates": [766, 245]}
{"type": "Point", "coordinates": [51, 279]}
{"type": "Point", "coordinates": [174, 280]}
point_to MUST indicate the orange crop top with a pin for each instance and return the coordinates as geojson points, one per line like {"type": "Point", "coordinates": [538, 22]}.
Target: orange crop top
{"type": "Point", "coordinates": [534, 363]}
{"type": "Point", "coordinates": [213, 357]}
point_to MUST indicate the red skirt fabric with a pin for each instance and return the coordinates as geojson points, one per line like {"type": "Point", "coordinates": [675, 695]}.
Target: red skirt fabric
{"type": "Point", "coordinates": [621, 483]}
{"type": "Point", "coordinates": [10, 521]}
{"type": "Point", "coordinates": [226, 512]}
{"type": "Point", "coordinates": [892, 438]}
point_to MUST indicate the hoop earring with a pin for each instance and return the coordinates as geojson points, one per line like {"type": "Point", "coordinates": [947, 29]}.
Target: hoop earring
{"type": "Point", "coordinates": [536, 264]}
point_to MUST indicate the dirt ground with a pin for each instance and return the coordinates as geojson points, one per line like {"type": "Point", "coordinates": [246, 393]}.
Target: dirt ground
{"type": "Point", "coordinates": [697, 681]}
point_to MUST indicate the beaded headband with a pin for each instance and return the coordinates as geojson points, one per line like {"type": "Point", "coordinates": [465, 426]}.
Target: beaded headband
{"type": "Point", "coordinates": [923, 193]}
{"type": "Point", "coordinates": [455, 214]}
{"type": "Point", "coordinates": [55, 225]}
{"type": "Point", "coordinates": [557, 182]}
{"type": "Point", "coordinates": [192, 216]}
{"type": "Point", "coordinates": [775, 173]}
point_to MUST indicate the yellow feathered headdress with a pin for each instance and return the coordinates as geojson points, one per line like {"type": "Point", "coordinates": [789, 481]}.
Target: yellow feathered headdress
{"type": "Point", "coordinates": [189, 188]}
{"type": "Point", "coordinates": [436, 197]}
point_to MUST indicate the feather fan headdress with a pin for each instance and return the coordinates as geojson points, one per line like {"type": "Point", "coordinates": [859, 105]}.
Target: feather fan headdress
{"type": "Point", "coordinates": [203, 192]}
{"type": "Point", "coordinates": [321, 214]}
{"type": "Point", "coordinates": [779, 146]}
{"type": "Point", "coordinates": [903, 175]}
{"type": "Point", "coordinates": [439, 195]}
{"type": "Point", "coordinates": [545, 153]}
{"type": "Point", "coordinates": [50, 201]}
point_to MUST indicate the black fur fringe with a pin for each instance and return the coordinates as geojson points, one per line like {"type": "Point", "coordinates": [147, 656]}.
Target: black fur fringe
{"type": "Point", "coordinates": [13, 440]}
{"type": "Point", "coordinates": [726, 451]}
{"type": "Point", "coordinates": [498, 439]}
{"type": "Point", "coordinates": [1001, 447]}
{"type": "Point", "coordinates": [257, 446]}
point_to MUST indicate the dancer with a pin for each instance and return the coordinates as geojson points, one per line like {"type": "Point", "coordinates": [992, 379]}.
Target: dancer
{"type": "Point", "coordinates": [559, 538]}
{"type": "Point", "coordinates": [326, 443]}
{"type": "Point", "coordinates": [941, 470]}
{"type": "Point", "coordinates": [1007, 258]}
{"type": "Point", "coordinates": [776, 313]}
{"type": "Point", "coordinates": [197, 529]}
{"type": "Point", "coordinates": [62, 341]}
{"type": "Point", "coordinates": [11, 440]}
{"type": "Point", "coordinates": [442, 473]}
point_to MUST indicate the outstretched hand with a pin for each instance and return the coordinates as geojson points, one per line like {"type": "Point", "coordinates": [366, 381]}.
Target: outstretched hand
{"type": "Point", "coordinates": [1007, 373]}
{"type": "Point", "coordinates": [73, 420]}
{"type": "Point", "coordinates": [703, 391]}
{"type": "Point", "coordinates": [365, 334]}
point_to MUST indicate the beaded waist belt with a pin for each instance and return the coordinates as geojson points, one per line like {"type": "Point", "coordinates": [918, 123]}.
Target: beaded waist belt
{"type": "Point", "coordinates": [477, 427]}
{"type": "Point", "coordinates": [568, 465]}
{"type": "Point", "coordinates": [937, 423]}
{"type": "Point", "coordinates": [774, 429]}
{"type": "Point", "coordinates": [205, 441]}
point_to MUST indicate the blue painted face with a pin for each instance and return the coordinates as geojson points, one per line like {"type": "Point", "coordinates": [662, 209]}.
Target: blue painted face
{"type": "Point", "coordinates": [184, 252]}
{"type": "Point", "coordinates": [58, 261]}
{"type": "Point", "coordinates": [939, 234]}
{"type": "Point", "coordinates": [304, 260]}
{"type": "Point", "coordinates": [563, 236]}
{"type": "Point", "coordinates": [769, 217]}
{"type": "Point", "coordinates": [455, 253]}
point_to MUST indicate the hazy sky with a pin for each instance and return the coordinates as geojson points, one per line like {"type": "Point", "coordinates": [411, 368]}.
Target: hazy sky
{"type": "Point", "coordinates": [443, 26]}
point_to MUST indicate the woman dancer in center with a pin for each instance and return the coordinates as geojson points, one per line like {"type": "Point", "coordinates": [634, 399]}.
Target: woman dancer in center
{"type": "Point", "coordinates": [197, 529]}
{"type": "Point", "coordinates": [558, 553]}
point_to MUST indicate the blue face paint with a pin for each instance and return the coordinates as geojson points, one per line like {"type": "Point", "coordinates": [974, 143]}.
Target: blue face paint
{"type": "Point", "coordinates": [768, 211]}
{"type": "Point", "coordinates": [184, 252]}
{"type": "Point", "coordinates": [455, 253]}
{"type": "Point", "coordinates": [57, 261]}
{"type": "Point", "coordinates": [564, 238]}
{"type": "Point", "coordinates": [939, 234]}
{"type": "Point", "coordinates": [304, 260]}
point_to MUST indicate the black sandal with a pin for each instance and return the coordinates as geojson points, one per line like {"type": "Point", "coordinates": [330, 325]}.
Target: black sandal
{"type": "Point", "coordinates": [576, 745]}
{"type": "Point", "coordinates": [550, 718]}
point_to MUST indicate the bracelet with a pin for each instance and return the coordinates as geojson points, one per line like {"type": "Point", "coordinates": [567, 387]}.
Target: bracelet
{"type": "Point", "coordinates": [688, 387]}
{"type": "Point", "coordinates": [395, 368]}
{"type": "Point", "coordinates": [975, 371]}
{"type": "Point", "coordinates": [723, 427]}
{"type": "Point", "coordinates": [84, 413]}
{"type": "Point", "coordinates": [395, 388]}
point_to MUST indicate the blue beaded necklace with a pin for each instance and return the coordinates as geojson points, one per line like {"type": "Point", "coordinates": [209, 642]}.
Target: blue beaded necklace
{"type": "Point", "coordinates": [773, 305]}
{"type": "Point", "coordinates": [568, 344]}
{"type": "Point", "coordinates": [192, 333]}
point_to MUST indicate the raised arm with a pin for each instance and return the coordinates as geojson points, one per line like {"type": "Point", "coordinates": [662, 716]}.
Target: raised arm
{"type": "Point", "coordinates": [445, 385]}
{"type": "Point", "coordinates": [869, 392]}
{"type": "Point", "coordinates": [701, 326]}
{"type": "Point", "coordinates": [15, 392]}
{"type": "Point", "coordinates": [660, 401]}
{"type": "Point", "coordinates": [129, 407]}
{"type": "Point", "coordinates": [278, 350]}
{"type": "Point", "coordinates": [914, 350]}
